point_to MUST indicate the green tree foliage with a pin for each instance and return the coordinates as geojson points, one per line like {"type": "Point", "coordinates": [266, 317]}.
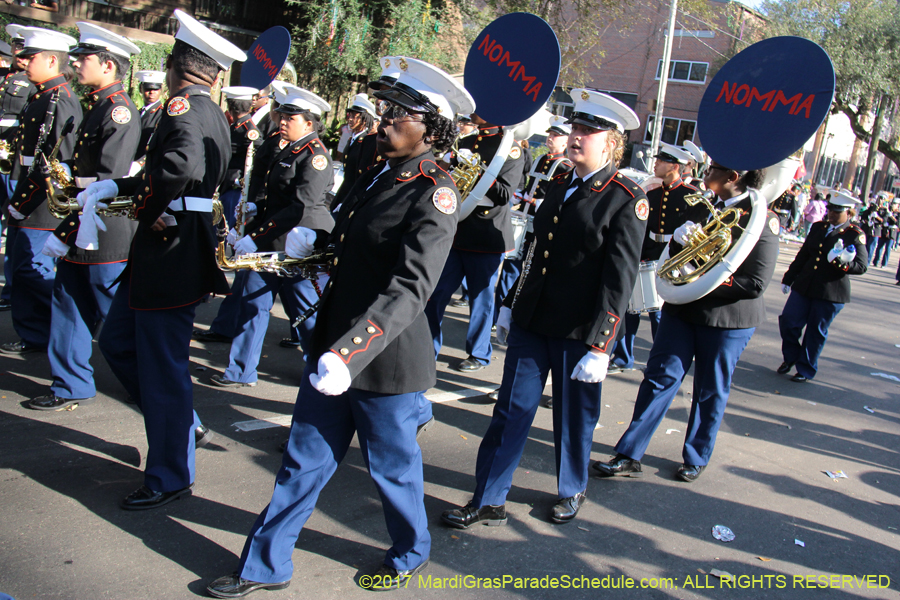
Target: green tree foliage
{"type": "Point", "coordinates": [863, 39]}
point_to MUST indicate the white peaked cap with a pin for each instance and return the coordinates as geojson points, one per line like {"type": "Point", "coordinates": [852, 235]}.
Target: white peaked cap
{"type": "Point", "coordinates": [559, 124]}
{"type": "Point", "coordinates": [598, 110]}
{"type": "Point", "coordinates": [390, 66]}
{"type": "Point", "coordinates": [97, 39]}
{"type": "Point", "coordinates": [38, 39]}
{"type": "Point", "coordinates": [420, 80]}
{"type": "Point", "coordinates": [150, 77]}
{"type": "Point", "coordinates": [843, 199]}
{"type": "Point", "coordinates": [14, 30]}
{"type": "Point", "coordinates": [292, 100]}
{"type": "Point", "coordinates": [239, 92]}
{"type": "Point", "coordinates": [361, 103]}
{"type": "Point", "coordinates": [670, 153]}
{"type": "Point", "coordinates": [698, 154]}
{"type": "Point", "coordinates": [195, 34]}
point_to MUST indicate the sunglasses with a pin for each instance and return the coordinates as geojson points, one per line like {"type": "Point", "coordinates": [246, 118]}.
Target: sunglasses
{"type": "Point", "coordinates": [398, 113]}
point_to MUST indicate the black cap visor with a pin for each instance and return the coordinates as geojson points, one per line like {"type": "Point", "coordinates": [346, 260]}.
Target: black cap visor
{"type": "Point", "coordinates": [666, 157]}
{"type": "Point", "coordinates": [382, 83]}
{"type": "Point", "coordinates": [592, 121]}
{"type": "Point", "coordinates": [836, 207]}
{"type": "Point", "coordinates": [408, 98]}
{"type": "Point", "coordinates": [151, 86]}
{"type": "Point", "coordinates": [84, 49]}
{"type": "Point", "coordinates": [29, 52]}
{"type": "Point", "coordinates": [558, 131]}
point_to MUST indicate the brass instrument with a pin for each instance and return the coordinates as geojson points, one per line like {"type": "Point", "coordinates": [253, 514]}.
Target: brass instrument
{"type": "Point", "coordinates": [6, 164]}
{"type": "Point", "coordinates": [61, 207]}
{"type": "Point", "coordinates": [466, 173]}
{"type": "Point", "coordinates": [245, 189]}
{"type": "Point", "coordinates": [704, 248]}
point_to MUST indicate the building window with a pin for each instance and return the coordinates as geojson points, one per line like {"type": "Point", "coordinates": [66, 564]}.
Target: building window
{"type": "Point", "coordinates": [684, 70]}
{"type": "Point", "coordinates": [675, 131]}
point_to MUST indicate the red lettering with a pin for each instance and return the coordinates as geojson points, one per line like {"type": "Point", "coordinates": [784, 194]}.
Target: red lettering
{"type": "Point", "coordinates": [509, 63]}
{"type": "Point", "coordinates": [728, 93]}
{"type": "Point", "coordinates": [780, 97]}
{"type": "Point", "coordinates": [744, 88]}
{"type": "Point", "coordinates": [534, 91]}
{"type": "Point", "coordinates": [807, 104]}
{"type": "Point", "coordinates": [499, 53]}
{"type": "Point", "coordinates": [496, 54]}
{"type": "Point", "coordinates": [755, 95]}
{"type": "Point", "coordinates": [487, 44]}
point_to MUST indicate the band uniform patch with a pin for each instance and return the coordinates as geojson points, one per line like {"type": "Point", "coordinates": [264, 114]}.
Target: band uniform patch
{"type": "Point", "coordinates": [515, 152]}
{"type": "Point", "coordinates": [774, 225]}
{"type": "Point", "coordinates": [444, 200]}
{"type": "Point", "coordinates": [282, 144]}
{"type": "Point", "coordinates": [642, 209]}
{"type": "Point", "coordinates": [178, 106]}
{"type": "Point", "coordinates": [253, 135]}
{"type": "Point", "coordinates": [319, 162]}
{"type": "Point", "coordinates": [121, 115]}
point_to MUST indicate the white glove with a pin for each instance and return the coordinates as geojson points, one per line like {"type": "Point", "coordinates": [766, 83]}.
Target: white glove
{"type": "Point", "coordinates": [249, 211]}
{"type": "Point", "coordinates": [300, 242]}
{"type": "Point", "coordinates": [16, 213]}
{"type": "Point", "coordinates": [55, 247]}
{"type": "Point", "coordinates": [99, 190]}
{"type": "Point", "coordinates": [465, 154]}
{"type": "Point", "coordinates": [836, 251]}
{"type": "Point", "coordinates": [333, 377]}
{"type": "Point", "coordinates": [785, 289]}
{"type": "Point", "coordinates": [135, 168]}
{"type": "Point", "coordinates": [232, 236]}
{"type": "Point", "coordinates": [847, 255]}
{"type": "Point", "coordinates": [503, 321]}
{"type": "Point", "coordinates": [591, 368]}
{"type": "Point", "coordinates": [89, 224]}
{"type": "Point", "coordinates": [4, 154]}
{"type": "Point", "coordinates": [681, 234]}
{"type": "Point", "coordinates": [68, 172]}
{"type": "Point", "coordinates": [245, 245]}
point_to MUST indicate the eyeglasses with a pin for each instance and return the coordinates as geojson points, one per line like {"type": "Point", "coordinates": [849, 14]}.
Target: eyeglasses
{"type": "Point", "coordinates": [397, 113]}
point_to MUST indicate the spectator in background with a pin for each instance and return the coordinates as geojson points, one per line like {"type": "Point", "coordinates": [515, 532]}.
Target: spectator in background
{"type": "Point", "coordinates": [887, 222]}
{"type": "Point", "coordinates": [48, 5]}
{"type": "Point", "coordinates": [813, 213]}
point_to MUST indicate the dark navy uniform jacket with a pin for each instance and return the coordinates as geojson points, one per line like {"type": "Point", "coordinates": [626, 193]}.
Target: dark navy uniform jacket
{"type": "Point", "coordinates": [296, 184]}
{"type": "Point", "coordinates": [391, 242]}
{"type": "Point", "coordinates": [262, 162]}
{"type": "Point", "coordinates": [188, 156]}
{"type": "Point", "coordinates": [30, 193]}
{"type": "Point", "coordinates": [583, 261]}
{"type": "Point", "coordinates": [811, 274]}
{"type": "Point", "coordinates": [544, 164]}
{"type": "Point", "coordinates": [738, 302]}
{"type": "Point", "coordinates": [489, 228]}
{"type": "Point", "coordinates": [150, 116]}
{"type": "Point", "coordinates": [243, 133]}
{"type": "Point", "coordinates": [15, 92]}
{"type": "Point", "coordinates": [361, 155]}
{"type": "Point", "coordinates": [107, 140]}
{"type": "Point", "coordinates": [668, 211]}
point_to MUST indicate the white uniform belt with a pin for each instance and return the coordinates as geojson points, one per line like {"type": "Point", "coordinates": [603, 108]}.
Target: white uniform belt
{"type": "Point", "coordinates": [659, 237]}
{"type": "Point", "coordinates": [485, 202]}
{"type": "Point", "coordinates": [9, 122]}
{"type": "Point", "coordinates": [83, 182]}
{"type": "Point", "coordinates": [25, 161]}
{"type": "Point", "coordinates": [192, 204]}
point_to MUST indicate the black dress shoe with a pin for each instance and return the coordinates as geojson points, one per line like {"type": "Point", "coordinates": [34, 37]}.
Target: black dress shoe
{"type": "Point", "coordinates": [462, 518]}
{"type": "Point", "coordinates": [422, 428]}
{"type": "Point", "coordinates": [210, 336]}
{"type": "Point", "coordinates": [54, 402]}
{"type": "Point", "coordinates": [620, 466]}
{"type": "Point", "coordinates": [613, 369]}
{"type": "Point", "coordinates": [144, 498]}
{"type": "Point", "coordinates": [289, 343]}
{"type": "Point", "coordinates": [459, 303]}
{"type": "Point", "coordinates": [222, 382]}
{"type": "Point", "coordinates": [202, 436]}
{"type": "Point", "coordinates": [388, 578]}
{"type": "Point", "coordinates": [7, 305]}
{"type": "Point", "coordinates": [799, 378]}
{"type": "Point", "coordinates": [548, 403]}
{"type": "Point", "coordinates": [784, 368]}
{"type": "Point", "coordinates": [235, 586]}
{"type": "Point", "coordinates": [566, 509]}
{"type": "Point", "coordinates": [470, 365]}
{"type": "Point", "coordinates": [494, 396]}
{"type": "Point", "coordinates": [19, 348]}
{"type": "Point", "coordinates": [690, 473]}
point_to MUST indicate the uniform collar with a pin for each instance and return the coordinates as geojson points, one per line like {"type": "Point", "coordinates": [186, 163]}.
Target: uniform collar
{"type": "Point", "coordinates": [52, 83]}
{"type": "Point", "coordinates": [105, 92]}
{"type": "Point", "coordinates": [243, 119]}
{"type": "Point", "coordinates": [674, 185]}
{"type": "Point", "coordinates": [489, 130]}
{"type": "Point", "coordinates": [192, 90]}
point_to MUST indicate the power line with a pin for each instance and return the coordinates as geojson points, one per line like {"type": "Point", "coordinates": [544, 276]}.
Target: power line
{"type": "Point", "coordinates": [715, 27]}
{"type": "Point", "coordinates": [704, 43]}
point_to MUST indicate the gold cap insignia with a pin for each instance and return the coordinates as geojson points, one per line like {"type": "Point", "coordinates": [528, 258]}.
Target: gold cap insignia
{"type": "Point", "coordinates": [585, 95]}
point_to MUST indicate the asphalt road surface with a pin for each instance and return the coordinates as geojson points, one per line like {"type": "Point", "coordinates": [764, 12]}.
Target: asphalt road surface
{"type": "Point", "coordinates": [798, 533]}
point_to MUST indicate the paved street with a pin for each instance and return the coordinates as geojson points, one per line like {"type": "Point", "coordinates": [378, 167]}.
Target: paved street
{"type": "Point", "coordinates": [62, 535]}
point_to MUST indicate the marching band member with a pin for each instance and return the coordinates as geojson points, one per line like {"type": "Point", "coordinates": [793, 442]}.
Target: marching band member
{"type": "Point", "coordinates": [667, 212]}
{"type": "Point", "coordinates": [819, 287]}
{"type": "Point", "coordinates": [564, 314]}
{"type": "Point", "coordinates": [295, 195]}
{"type": "Point", "coordinates": [714, 330]}
{"type": "Point", "coordinates": [371, 348]}
{"type": "Point", "coordinates": [172, 264]}
{"type": "Point", "coordinates": [262, 112]}
{"type": "Point", "coordinates": [151, 88]}
{"type": "Point", "coordinates": [87, 279]}
{"type": "Point", "coordinates": [16, 91]}
{"type": "Point", "coordinates": [481, 240]}
{"type": "Point", "coordinates": [33, 272]}
{"type": "Point", "coordinates": [238, 99]}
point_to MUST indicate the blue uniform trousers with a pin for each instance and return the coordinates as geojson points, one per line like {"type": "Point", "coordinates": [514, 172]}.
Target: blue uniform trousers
{"type": "Point", "coordinates": [10, 232]}
{"type": "Point", "coordinates": [82, 295]}
{"type": "Point", "coordinates": [258, 297]}
{"type": "Point", "coordinates": [816, 316]}
{"type": "Point", "coordinates": [480, 270]}
{"type": "Point", "coordinates": [230, 201]}
{"type": "Point", "coordinates": [321, 432]}
{"type": "Point", "coordinates": [509, 273]}
{"type": "Point", "coordinates": [623, 355]}
{"type": "Point", "coordinates": [576, 408]}
{"type": "Point", "coordinates": [677, 344]}
{"type": "Point", "coordinates": [149, 352]}
{"type": "Point", "coordinates": [884, 243]}
{"type": "Point", "coordinates": [226, 321]}
{"type": "Point", "coordinates": [33, 273]}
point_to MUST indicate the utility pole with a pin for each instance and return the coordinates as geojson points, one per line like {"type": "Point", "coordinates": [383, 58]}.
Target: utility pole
{"type": "Point", "coordinates": [663, 82]}
{"type": "Point", "coordinates": [873, 150]}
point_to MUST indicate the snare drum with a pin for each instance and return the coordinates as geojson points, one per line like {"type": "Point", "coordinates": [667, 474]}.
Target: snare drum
{"type": "Point", "coordinates": [644, 297]}
{"type": "Point", "coordinates": [522, 224]}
